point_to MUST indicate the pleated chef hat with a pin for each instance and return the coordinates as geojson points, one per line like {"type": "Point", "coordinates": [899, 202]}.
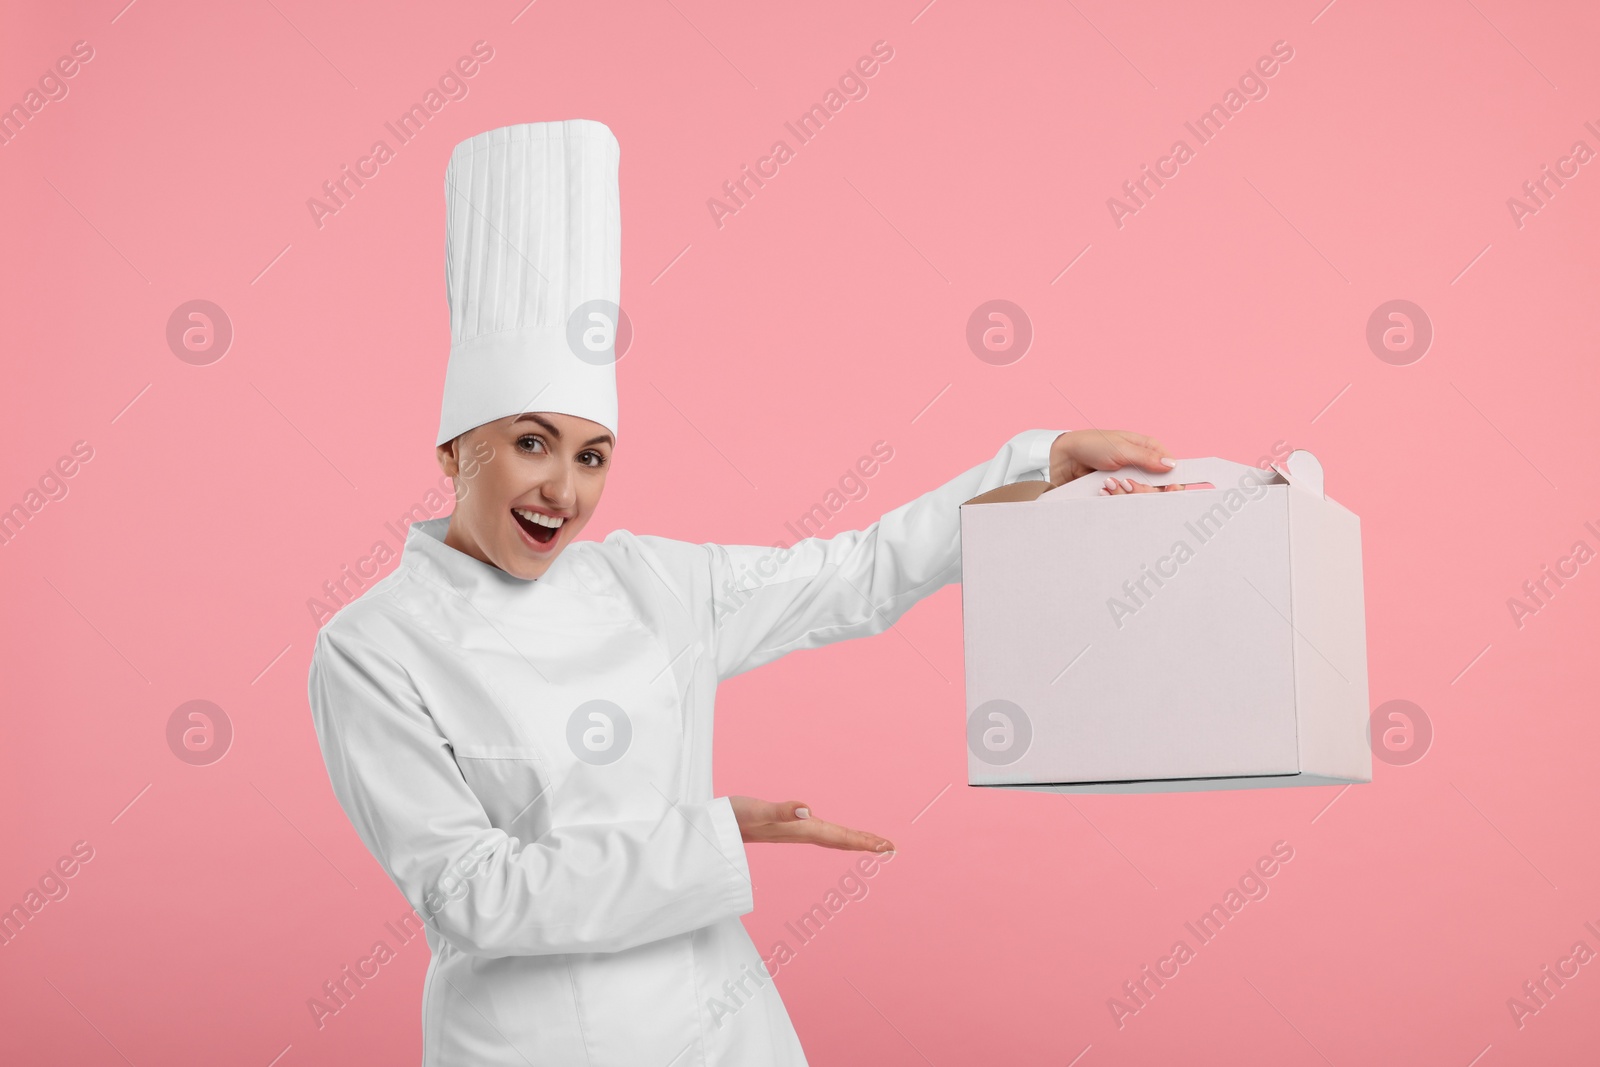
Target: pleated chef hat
{"type": "Point", "coordinates": [533, 254]}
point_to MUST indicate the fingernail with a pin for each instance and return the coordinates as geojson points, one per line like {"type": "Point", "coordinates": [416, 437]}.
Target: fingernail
{"type": "Point", "coordinates": [802, 813]}
{"type": "Point", "coordinates": [1110, 482]}
{"type": "Point", "coordinates": [1127, 483]}
{"type": "Point", "coordinates": [1169, 461]}
{"type": "Point", "coordinates": [885, 847]}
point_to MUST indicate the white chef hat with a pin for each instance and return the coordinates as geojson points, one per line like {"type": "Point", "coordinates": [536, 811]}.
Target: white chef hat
{"type": "Point", "coordinates": [533, 272]}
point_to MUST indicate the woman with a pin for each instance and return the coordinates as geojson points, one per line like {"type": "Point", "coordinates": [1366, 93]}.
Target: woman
{"type": "Point", "coordinates": [518, 723]}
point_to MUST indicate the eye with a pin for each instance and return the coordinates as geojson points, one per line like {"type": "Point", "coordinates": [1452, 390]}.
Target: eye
{"type": "Point", "coordinates": [528, 440]}
{"type": "Point", "coordinates": [598, 460]}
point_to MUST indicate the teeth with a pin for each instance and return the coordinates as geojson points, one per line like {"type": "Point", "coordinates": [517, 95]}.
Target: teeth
{"type": "Point", "coordinates": [542, 520]}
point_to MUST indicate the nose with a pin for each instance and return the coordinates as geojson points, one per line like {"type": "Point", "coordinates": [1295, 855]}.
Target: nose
{"type": "Point", "coordinates": [559, 489]}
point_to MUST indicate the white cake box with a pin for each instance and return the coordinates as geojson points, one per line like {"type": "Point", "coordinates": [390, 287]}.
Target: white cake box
{"type": "Point", "coordinates": [1163, 642]}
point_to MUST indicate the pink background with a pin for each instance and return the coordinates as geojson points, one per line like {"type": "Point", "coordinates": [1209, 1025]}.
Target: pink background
{"type": "Point", "coordinates": [1227, 314]}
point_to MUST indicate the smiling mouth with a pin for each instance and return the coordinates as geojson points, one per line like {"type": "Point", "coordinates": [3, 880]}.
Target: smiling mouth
{"type": "Point", "coordinates": [534, 524]}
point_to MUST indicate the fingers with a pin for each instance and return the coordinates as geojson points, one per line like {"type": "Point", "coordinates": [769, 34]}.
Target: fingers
{"type": "Point", "coordinates": [1146, 452]}
{"type": "Point", "coordinates": [1119, 448]}
{"type": "Point", "coordinates": [811, 831]}
{"type": "Point", "coordinates": [831, 835]}
{"type": "Point", "coordinates": [1124, 486]}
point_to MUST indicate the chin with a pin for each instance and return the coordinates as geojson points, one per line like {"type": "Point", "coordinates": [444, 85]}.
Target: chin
{"type": "Point", "coordinates": [535, 545]}
{"type": "Point", "coordinates": [524, 560]}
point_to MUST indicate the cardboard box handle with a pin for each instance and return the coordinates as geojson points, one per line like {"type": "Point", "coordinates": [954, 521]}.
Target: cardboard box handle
{"type": "Point", "coordinates": [1222, 473]}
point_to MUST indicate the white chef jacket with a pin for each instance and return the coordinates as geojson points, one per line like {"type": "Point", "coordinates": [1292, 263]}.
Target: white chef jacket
{"type": "Point", "coordinates": [583, 912]}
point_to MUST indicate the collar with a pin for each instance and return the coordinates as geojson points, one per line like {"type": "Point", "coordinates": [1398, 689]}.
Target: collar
{"type": "Point", "coordinates": [479, 582]}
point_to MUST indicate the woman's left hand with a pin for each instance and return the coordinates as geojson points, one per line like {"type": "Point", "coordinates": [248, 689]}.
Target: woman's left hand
{"type": "Point", "coordinates": [1081, 452]}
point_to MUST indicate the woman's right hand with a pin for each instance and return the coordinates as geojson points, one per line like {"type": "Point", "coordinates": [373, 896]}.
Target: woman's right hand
{"type": "Point", "coordinates": [791, 822]}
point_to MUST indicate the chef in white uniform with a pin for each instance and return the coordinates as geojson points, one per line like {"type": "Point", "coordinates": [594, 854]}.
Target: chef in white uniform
{"type": "Point", "coordinates": [518, 723]}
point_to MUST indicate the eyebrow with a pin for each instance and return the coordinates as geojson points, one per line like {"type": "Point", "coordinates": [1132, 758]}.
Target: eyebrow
{"type": "Point", "coordinates": [529, 416]}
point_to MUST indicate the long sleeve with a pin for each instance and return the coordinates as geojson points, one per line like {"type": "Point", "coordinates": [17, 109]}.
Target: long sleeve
{"type": "Point", "coordinates": [579, 888]}
{"type": "Point", "coordinates": [858, 582]}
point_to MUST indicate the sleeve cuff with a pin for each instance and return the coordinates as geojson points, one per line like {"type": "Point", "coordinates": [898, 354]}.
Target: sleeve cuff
{"type": "Point", "coordinates": [729, 842]}
{"type": "Point", "coordinates": [1037, 454]}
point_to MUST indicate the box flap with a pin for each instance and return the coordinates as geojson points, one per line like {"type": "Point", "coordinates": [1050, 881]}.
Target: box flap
{"type": "Point", "coordinates": [1302, 470]}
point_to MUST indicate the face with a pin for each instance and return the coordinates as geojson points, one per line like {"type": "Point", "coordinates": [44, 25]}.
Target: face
{"type": "Point", "coordinates": [525, 486]}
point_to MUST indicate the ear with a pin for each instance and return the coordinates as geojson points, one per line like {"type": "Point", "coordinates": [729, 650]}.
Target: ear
{"type": "Point", "coordinates": [449, 460]}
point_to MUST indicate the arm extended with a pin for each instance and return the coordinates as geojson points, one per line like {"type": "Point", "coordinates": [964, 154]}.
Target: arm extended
{"type": "Point", "coordinates": [771, 602]}
{"type": "Point", "coordinates": [598, 887]}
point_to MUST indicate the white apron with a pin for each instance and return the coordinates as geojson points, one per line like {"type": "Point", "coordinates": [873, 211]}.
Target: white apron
{"type": "Point", "coordinates": [530, 762]}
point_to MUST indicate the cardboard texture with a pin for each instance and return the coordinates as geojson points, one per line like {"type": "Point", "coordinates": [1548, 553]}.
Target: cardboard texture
{"type": "Point", "coordinates": [1213, 638]}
